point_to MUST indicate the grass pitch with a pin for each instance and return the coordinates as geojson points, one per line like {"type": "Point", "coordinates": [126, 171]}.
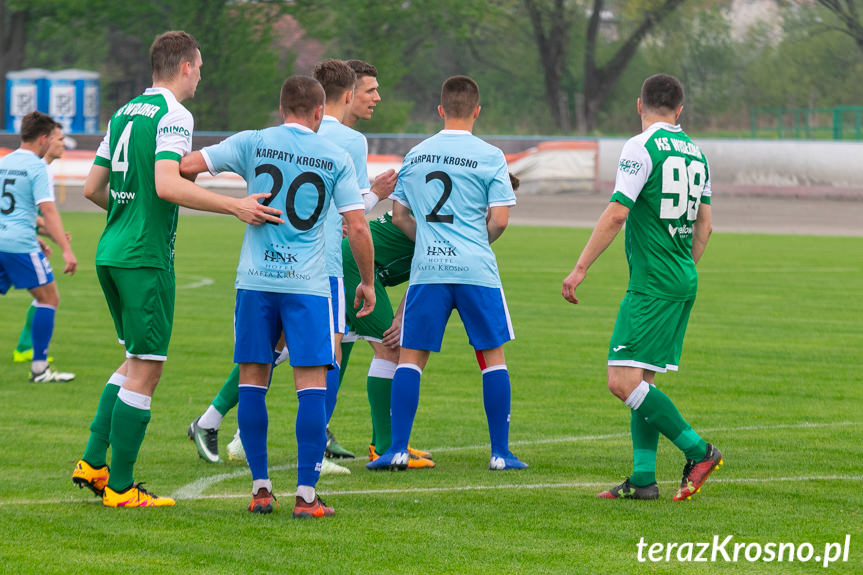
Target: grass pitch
{"type": "Point", "coordinates": [770, 373]}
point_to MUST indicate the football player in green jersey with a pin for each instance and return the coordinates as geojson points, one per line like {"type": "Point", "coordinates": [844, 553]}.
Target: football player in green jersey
{"type": "Point", "coordinates": [662, 193]}
{"type": "Point", "coordinates": [136, 178]}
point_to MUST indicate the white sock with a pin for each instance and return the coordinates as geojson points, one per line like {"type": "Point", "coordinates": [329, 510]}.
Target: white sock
{"type": "Point", "coordinates": [38, 367]}
{"type": "Point", "coordinates": [265, 483]}
{"type": "Point", "coordinates": [637, 396]}
{"type": "Point", "coordinates": [211, 419]}
{"type": "Point", "coordinates": [137, 400]}
{"type": "Point", "coordinates": [307, 492]}
{"type": "Point", "coordinates": [116, 379]}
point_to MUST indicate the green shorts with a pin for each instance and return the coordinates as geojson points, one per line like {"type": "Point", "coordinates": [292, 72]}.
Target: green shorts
{"type": "Point", "coordinates": [372, 326]}
{"type": "Point", "coordinates": [141, 301]}
{"type": "Point", "coordinates": [649, 332]}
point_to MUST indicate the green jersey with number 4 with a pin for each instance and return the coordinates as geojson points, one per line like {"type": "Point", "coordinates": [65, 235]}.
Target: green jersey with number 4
{"type": "Point", "coordinates": [663, 179]}
{"type": "Point", "coordinates": [141, 227]}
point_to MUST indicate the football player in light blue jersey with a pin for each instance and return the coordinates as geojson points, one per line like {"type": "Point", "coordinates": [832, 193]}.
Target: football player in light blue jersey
{"type": "Point", "coordinates": [26, 187]}
{"type": "Point", "coordinates": [338, 81]}
{"type": "Point", "coordinates": [282, 282]}
{"type": "Point", "coordinates": [453, 197]}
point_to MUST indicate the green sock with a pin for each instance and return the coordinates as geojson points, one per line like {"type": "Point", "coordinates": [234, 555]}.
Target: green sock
{"type": "Point", "coordinates": [128, 426]}
{"type": "Point", "coordinates": [229, 395]}
{"type": "Point", "coordinates": [96, 451]}
{"type": "Point", "coordinates": [378, 389]}
{"type": "Point", "coordinates": [645, 439]}
{"type": "Point", "coordinates": [658, 410]}
{"type": "Point", "coordinates": [25, 340]}
{"type": "Point", "coordinates": [347, 348]}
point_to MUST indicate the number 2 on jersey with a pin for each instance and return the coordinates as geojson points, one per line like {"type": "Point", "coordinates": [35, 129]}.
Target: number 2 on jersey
{"type": "Point", "coordinates": [681, 188]}
{"type": "Point", "coordinates": [435, 216]}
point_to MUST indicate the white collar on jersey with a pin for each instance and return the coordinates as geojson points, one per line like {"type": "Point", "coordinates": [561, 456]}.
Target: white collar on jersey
{"type": "Point", "coordinates": [455, 132]}
{"type": "Point", "coordinates": [328, 118]}
{"type": "Point", "coordinates": [160, 90]}
{"type": "Point", "coordinates": [298, 126]}
{"type": "Point", "coordinates": [666, 126]}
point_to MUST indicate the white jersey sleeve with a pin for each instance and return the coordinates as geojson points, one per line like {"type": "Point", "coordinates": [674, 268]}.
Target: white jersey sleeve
{"type": "Point", "coordinates": [174, 133]}
{"type": "Point", "coordinates": [633, 169]}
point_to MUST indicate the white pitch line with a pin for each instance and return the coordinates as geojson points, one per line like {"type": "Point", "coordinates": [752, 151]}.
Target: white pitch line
{"type": "Point", "coordinates": [574, 439]}
{"type": "Point", "coordinates": [201, 282]}
{"type": "Point", "coordinates": [568, 485]}
{"type": "Point", "coordinates": [463, 488]}
{"type": "Point", "coordinates": [196, 488]}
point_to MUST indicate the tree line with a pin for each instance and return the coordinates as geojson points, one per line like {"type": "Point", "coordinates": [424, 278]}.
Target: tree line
{"type": "Point", "coordinates": [544, 66]}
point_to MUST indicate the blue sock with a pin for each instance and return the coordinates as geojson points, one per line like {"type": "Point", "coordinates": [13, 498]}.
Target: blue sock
{"type": "Point", "coordinates": [332, 390]}
{"type": "Point", "coordinates": [43, 327]}
{"type": "Point", "coordinates": [311, 432]}
{"type": "Point", "coordinates": [405, 398]}
{"type": "Point", "coordinates": [496, 399]}
{"type": "Point", "coordinates": [252, 419]}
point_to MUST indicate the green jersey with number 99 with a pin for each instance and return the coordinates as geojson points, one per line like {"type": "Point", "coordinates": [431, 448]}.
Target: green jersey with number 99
{"type": "Point", "coordinates": [141, 227]}
{"type": "Point", "coordinates": [663, 179]}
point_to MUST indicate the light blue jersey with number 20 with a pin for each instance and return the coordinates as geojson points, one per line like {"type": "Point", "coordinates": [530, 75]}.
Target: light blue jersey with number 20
{"type": "Point", "coordinates": [449, 181]}
{"type": "Point", "coordinates": [304, 173]}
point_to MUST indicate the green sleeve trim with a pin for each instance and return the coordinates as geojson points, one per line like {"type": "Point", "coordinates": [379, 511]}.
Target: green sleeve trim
{"type": "Point", "coordinates": [104, 162]}
{"type": "Point", "coordinates": [705, 200]}
{"type": "Point", "coordinates": [622, 198]}
{"type": "Point", "coordinates": [168, 156]}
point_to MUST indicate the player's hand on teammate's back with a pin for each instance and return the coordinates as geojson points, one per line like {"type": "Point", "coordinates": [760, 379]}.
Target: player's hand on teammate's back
{"type": "Point", "coordinates": [71, 262]}
{"type": "Point", "coordinates": [572, 281]}
{"type": "Point", "coordinates": [366, 296]}
{"type": "Point", "coordinates": [251, 211]}
{"type": "Point", "coordinates": [384, 184]}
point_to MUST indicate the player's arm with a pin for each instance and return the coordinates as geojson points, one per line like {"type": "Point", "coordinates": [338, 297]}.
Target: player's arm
{"type": "Point", "coordinates": [703, 229]}
{"type": "Point", "coordinates": [193, 164]}
{"type": "Point", "coordinates": [360, 240]}
{"type": "Point", "coordinates": [172, 187]}
{"type": "Point", "coordinates": [393, 335]}
{"type": "Point", "coordinates": [496, 221]}
{"type": "Point", "coordinates": [54, 227]}
{"type": "Point", "coordinates": [96, 185]}
{"type": "Point", "coordinates": [404, 220]}
{"type": "Point", "coordinates": [381, 188]}
{"type": "Point", "coordinates": [607, 228]}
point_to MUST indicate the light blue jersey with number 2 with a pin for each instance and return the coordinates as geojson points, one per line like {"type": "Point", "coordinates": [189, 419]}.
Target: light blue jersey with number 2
{"type": "Point", "coordinates": [449, 181]}
{"type": "Point", "coordinates": [304, 172]}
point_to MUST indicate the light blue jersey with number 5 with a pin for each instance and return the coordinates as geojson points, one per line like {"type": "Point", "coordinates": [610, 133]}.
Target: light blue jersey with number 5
{"type": "Point", "coordinates": [449, 182]}
{"type": "Point", "coordinates": [304, 173]}
{"type": "Point", "coordinates": [24, 183]}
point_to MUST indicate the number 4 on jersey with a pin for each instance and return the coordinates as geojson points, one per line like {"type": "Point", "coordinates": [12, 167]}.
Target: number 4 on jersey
{"type": "Point", "coordinates": [120, 158]}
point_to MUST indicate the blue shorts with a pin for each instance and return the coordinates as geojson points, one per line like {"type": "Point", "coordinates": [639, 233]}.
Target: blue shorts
{"type": "Point", "coordinates": [337, 299]}
{"type": "Point", "coordinates": [24, 271]}
{"type": "Point", "coordinates": [260, 317]}
{"type": "Point", "coordinates": [482, 309]}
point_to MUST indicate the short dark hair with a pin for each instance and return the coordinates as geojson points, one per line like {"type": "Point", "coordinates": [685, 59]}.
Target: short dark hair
{"type": "Point", "coordinates": [362, 68]}
{"type": "Point", "coordinates": [336, 77]}
{"type": "Point", "coordinates": [459, 96]}
{"type": "Point", "coordinates": [169, 51]}
{"type": "Point", "coordinates": [37, 124]}
{"type": "Point", "coordinates": [300, 96]}
{"type": "Point", "coordinates": [514, 181]}
{"type": "Point", "coordinates": [662, 92]}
